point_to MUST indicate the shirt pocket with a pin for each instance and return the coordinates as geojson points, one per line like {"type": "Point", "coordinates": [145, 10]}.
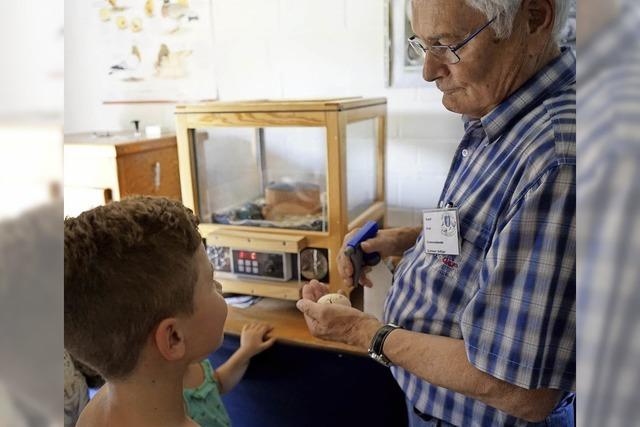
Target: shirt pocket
{"type": "Point", "coordinates": [460, 272]}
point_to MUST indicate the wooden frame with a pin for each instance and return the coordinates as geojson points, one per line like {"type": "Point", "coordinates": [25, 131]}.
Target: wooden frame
{"type": "Point", "coordinates": [332, 114]}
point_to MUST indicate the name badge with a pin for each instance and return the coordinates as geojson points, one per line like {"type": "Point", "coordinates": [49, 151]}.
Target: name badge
{"type": "Point", "coordinates": [441, 234]}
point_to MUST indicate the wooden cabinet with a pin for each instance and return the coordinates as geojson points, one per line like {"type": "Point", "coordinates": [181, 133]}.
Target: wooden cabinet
{"type": "Point", "coordinates": [233, 154]}
{"type": "Point", "coordinates": [100, 169]}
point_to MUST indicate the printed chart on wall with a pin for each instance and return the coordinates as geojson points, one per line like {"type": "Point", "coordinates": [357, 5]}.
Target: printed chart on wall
{"type": "Point", "coordinates": [156, 50]}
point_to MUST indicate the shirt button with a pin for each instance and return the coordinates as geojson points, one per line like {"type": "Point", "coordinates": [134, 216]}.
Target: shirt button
{"type": "Point", "coordinates": [465, 152]}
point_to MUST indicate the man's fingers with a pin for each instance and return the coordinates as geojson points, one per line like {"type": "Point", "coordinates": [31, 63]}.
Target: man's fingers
{"type": "Point", "coordinates": [313, 290]}
{"type": "Point", "coordinates": [309, 308]}
{"type": "Point", "coordinates": [319, 289]}
{"type": "Point", "coordinates": [345, 269]}
{"type": "Point", "coordinates": [372, 245]}
{"type": "Point", "coordinates": [348, 282]}
{"type": "Point", "coordinates": [302, 305]}
{"type": "Point", "coordinates": [307, 292]}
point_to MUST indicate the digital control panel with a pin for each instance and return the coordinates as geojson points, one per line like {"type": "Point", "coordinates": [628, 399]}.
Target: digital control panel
{"type": "Point", "coordinates": [275, 266]}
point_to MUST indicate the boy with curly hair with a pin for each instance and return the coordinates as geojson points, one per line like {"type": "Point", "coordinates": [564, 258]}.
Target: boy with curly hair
{"type": "Point", "coordinates": [143, 309]}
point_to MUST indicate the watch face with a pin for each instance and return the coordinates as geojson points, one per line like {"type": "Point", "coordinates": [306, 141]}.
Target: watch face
{"type": "Point", "coordinates": [313, 264]}
{"type": "Point", "coordinates": [220, 257]}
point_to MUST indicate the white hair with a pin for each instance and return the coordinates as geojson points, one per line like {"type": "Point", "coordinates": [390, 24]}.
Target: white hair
{"type": "Point", "coordinates": [506, 10]}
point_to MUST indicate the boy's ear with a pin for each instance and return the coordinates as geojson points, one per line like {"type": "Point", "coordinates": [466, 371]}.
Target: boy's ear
{"type": "Point", "coordinates": [169, 339]}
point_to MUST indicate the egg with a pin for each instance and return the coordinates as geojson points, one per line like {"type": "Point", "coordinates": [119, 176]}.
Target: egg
{"type": "Point", "coordinates": [121, 22]}
{"type": "Point", "coordinates": [105, 14]}
{"type": "Point", "coordinates": [148, 8]}
{"type": "Point", "coordinates": [136, 25]}
{"type": "Point", "coordinates": [335, 299]}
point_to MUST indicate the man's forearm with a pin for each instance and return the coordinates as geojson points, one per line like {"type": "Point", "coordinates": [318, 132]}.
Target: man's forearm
{"type": "Point", "coordinates": [442, 361]}
{"type": "Point", "coordinates": [439, 360]}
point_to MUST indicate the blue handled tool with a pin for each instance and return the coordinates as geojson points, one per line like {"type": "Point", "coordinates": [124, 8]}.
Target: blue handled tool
{"type": "Point", "coordinates": [358, 257]}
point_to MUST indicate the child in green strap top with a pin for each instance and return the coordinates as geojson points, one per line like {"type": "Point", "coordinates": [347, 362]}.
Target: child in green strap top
{"type": "Point", "coordinates": [143, 310]}
{"type": "Point", "coordinates": [203, 386]}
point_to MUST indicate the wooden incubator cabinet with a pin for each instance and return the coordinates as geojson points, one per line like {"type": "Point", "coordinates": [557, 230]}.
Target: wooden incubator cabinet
{"type": "Point", "coordinates": [278, 184]}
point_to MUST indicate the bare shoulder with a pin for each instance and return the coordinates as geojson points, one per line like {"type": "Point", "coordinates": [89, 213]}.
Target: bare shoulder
{"type": "Point", "coordinates": [98, 413]}
{"type": "Point", "coordinates": [194, 376]}
{"type": "Point", "coordinates": [94, 414]}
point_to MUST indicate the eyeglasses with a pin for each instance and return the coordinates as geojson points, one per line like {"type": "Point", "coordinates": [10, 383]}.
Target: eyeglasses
{"type": "Point", "coordinates": [444, 53]}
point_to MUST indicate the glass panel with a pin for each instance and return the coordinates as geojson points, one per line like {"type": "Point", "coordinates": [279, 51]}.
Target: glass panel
{"type": "Point", "coordinates": [262, 177]}
{"type": "Point", "coordinates": [362, 143]}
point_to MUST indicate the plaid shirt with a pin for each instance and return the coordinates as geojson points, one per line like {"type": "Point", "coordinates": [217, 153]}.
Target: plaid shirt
{"type": "Point", "coordinates": [510, 294]}
{"type": "Point", "coordinates": [609, 223]}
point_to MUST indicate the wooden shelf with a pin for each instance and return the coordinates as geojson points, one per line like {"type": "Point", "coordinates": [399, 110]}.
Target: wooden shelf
{"type": "Point", "coordinates": [269, 242]}
{"type": "Point", "coordinates": [288, 324]}
{"type": "Point", "coordinates": [264, 288]}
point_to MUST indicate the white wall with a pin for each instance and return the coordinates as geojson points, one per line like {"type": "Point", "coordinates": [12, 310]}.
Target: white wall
{"type": "Point", "coordinates": [291, 49]}
{"type": "Point", "coordinates": [31, 85]}
{"type": "Point", "coordinates": [31, 104]}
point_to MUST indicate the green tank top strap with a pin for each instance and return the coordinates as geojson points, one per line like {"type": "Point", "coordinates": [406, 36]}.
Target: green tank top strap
{"type": "Point", "coordinates": [208, 370]}
{"type": "Point", "coordinates": [204, 404]}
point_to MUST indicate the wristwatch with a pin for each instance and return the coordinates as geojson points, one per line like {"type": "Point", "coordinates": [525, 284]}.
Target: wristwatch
{"type": "Point", "coordinates": [377, 342]}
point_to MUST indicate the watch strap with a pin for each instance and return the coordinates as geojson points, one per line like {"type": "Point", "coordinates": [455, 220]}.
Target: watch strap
{"type": "Point", "coordinates": [377, 343]}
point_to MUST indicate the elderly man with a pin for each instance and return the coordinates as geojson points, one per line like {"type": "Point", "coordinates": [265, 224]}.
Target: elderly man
{"type": "Point", "coordinates": [481, 329]}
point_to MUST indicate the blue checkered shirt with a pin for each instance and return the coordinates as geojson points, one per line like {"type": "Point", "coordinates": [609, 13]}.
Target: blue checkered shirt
{"type": "Point", "coordinates": [608, 278]}
{"type": "Point", "coordinates": [510, 294]}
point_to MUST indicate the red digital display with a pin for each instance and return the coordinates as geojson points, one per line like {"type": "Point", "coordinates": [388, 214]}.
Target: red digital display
{"type": "Point", "coordinates": [247, 255]}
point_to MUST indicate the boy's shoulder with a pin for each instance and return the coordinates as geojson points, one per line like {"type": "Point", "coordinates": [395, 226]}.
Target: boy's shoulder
{"type": "Point", "coordinates": [98, 413]}
{"type": "Point", "coordinates": [95, 414]}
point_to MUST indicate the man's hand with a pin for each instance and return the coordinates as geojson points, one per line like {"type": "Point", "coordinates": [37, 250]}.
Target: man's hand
{"type": "Point", "coordinates": [335, 322]}
{"type": "Point", "coordinates": [390, 242]}
{"type": "Point", "coordinates": [254, 340]}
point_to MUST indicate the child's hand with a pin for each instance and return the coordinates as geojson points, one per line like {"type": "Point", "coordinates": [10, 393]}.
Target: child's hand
{"type": "Point", "coordinates": [253, 339]}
